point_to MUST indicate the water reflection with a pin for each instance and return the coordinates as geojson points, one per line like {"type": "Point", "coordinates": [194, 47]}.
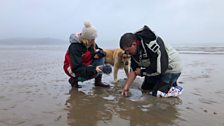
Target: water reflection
{"type": "Point", "coordinates": [85, 110]}
{"type": "Point", "coordinates": [154, 111]}
{"type": "Point", "coordinates": [108, 107]}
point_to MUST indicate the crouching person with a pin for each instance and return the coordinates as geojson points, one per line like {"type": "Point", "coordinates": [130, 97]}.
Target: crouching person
{"type": "Point", "coordinates": [83, 59]}
{"type": "Point", "coordinates": [153, 59]}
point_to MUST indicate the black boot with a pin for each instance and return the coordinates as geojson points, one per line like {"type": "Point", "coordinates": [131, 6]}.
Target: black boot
{"type": "Point", "coordinates": [98, 82]}
{"type": "Point", "coordinates": [149, 83]}
{"type": "Point", "coordinates": [175, 84]}
{"type": "Point", "coordinates": [74, 82]}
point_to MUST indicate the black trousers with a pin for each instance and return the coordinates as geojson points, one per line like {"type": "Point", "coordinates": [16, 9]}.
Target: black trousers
{"type": "Point", "coordinates": [161, 82]}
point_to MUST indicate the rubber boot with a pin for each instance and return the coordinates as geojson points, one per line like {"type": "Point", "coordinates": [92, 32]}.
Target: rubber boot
{"type": "Point", "coordinates": [175, 84]}
{"type": "Point", "coordinates": [99, 83]}
{"type": "Point", "coordinates": [149, 83]}
{"type": "Point", "coordinates": [74, 82]}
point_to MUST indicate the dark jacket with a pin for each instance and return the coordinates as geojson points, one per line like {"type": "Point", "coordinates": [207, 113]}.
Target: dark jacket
{"type": "Point", "coordinates": [151, 54]}
{"type": "Point", "coordinates": [79, 59]}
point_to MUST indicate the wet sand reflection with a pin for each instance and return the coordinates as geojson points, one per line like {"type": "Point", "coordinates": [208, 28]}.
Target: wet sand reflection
{"type": "Point", "coordinates": [107, 106]}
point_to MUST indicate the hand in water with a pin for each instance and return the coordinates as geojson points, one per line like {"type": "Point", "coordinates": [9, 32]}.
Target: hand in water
{"type": "Point", "coordinates": [125, 92]}
{"type": "Point", "coordinates": [106, 68]}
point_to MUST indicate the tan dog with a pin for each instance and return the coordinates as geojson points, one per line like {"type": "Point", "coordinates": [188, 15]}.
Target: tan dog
{"type": "Point", "coordinates": [119, 59]}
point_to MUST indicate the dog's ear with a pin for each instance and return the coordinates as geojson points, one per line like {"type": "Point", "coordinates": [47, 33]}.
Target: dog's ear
{"type": "Point", "coordinates": [120, 53]}
{"type": "Point", "coordinates": [124, 52]}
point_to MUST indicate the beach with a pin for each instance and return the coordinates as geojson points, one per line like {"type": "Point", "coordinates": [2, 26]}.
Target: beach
{"type": "Point", "coordinates": [34, 91]}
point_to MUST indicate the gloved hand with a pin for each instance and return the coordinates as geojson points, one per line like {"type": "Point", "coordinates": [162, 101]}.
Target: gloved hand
{"type": "Point", "coordinates": [100, 53]}
{"type": "Point", "coordinates": [106, 68]}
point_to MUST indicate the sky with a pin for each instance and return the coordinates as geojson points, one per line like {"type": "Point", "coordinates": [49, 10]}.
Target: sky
{"type": "Point", "coordinates": [176, 21]}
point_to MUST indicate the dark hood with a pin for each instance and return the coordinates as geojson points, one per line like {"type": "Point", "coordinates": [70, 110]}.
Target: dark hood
{"type": "Point", "coordinates": [146, 34]}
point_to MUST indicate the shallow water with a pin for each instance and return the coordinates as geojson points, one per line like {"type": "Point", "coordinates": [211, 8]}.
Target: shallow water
{"type": "Point", "coordinates": [34, 91]}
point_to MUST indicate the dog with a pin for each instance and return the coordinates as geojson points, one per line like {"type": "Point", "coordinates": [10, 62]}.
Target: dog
{"type": "Point", "coordinates": [119, 59]}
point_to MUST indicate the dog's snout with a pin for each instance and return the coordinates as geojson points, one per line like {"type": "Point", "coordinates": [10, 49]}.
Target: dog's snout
{"type": "Point", "coordinates": [126, 63]}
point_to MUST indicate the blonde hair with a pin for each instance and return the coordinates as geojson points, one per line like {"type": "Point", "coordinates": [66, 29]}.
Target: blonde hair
{"type": "Point", "coordinates": [86, 42]}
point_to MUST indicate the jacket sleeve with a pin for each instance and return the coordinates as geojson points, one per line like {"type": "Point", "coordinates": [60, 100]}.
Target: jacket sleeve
{"type": "Point", "coordinates": [100, 52]}
{"type": "Point", "coordinates": [134, 65]}
{"type": "Point", "coordinates": [77, 64]}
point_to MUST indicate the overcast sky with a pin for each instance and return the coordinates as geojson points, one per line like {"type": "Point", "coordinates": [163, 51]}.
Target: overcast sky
{"type": "Point", "coordinates": [177, 21]}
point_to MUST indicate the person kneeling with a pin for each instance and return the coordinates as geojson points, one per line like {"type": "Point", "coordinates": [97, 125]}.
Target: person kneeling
{"type": "Point", "coordinates": [153, 59]}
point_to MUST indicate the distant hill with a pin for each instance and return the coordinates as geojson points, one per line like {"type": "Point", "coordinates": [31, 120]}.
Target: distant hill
{"type": "Point", "coordinates": [32, 41]}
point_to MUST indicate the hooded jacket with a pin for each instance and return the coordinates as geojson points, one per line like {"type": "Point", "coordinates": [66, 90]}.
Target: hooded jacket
{"type": "Point", "coordinates": [153, 56]}
{"type": "Point", "coordinates": [78, 59]}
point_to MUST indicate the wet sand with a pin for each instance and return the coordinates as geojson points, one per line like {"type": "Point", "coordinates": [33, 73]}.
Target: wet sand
{"type": "Point", "coordinates": [34, 92]}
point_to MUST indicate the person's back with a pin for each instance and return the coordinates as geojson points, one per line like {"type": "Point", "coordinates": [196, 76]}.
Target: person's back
{"type": "Point", "coordinates": [175, 64]}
